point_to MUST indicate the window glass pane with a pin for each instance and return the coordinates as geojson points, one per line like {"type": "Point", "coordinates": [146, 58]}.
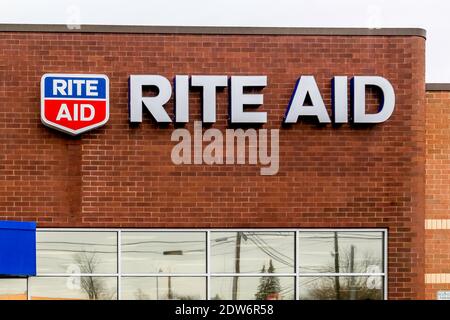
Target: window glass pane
{"type": "Point", "coordinates": [252, 288]}
{"type": "Point", "coordinates": [341, 288]}
{"type": "Point", "coordinates": [69, 288]}
{"type": "Point", "coordinates": [76, 252]}
{"type": "Point", "coordinates": [157, 288]}
{"type": "Point", "coordinates": [13, 289]}
{"type": "Point", "coordinates": [359, 252]}
{"type": "Point", "coordinates": [252, 252]}
{"type": "Point", "coordinates": [163, 252]}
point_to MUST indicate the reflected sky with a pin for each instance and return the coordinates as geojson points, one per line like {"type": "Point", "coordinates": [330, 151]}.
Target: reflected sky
{"type": "Point", "coordinates": [13, 286]}
{"type": "Point", "coordinates": [64, 252]}
{"type": "Point", "coordinates": [256, 251]}
{"type": "Point", "coordinates": [163, 252]}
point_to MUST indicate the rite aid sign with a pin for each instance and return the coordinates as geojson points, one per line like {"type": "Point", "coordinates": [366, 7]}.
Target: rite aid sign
{"type": "Point", "coordinates": [74, 103]}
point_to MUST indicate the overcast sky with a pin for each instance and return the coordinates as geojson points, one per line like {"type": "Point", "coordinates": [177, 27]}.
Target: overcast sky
{"type": "Point", "coordinates": [432, 15]}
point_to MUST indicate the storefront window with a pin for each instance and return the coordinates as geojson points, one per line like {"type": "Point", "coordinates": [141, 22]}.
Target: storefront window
{"type": "Point", "coordinates": [253, 251]}
{"type": "Point", "coordinates": [341, 288]}
{"type": "Point", "coordinates": [253, 288]}
{"type": "Point", "coordinates": [333, 265]}
{"type": "Point", "coordinates": [163, 288]}
{"type": "Point", "coordinates": [13, 289]}
{"type": "Point", "coordinates": [73, 288]}
{"type": "Point", "coordinates": [163, 252]}
{"type": "Point", "coordinates": [340, 252]}
{"type": "Point", "coordinates": [255, 264]}
{"type": "Point", "coordinates": [76, 252]}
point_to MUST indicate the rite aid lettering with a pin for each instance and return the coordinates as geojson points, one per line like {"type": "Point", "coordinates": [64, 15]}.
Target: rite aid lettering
{"type": "Point", "coordinates": [239, 99]}
{"type": "Point", "coordinates": [74, 103]}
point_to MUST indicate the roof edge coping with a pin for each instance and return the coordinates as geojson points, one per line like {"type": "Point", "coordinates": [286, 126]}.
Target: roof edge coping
{"type": "Point", "coordinates": [226, 30]}
{"type": "Point", "coordinates": [437, 87]}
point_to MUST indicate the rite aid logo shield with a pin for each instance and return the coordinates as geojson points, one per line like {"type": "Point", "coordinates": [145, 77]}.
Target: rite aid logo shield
{"type": "Point", "coordinates": [74, 103]}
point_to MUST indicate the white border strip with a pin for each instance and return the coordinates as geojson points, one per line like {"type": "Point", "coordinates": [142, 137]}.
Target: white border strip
{"type": "Point", "coordinates": [437, 224]}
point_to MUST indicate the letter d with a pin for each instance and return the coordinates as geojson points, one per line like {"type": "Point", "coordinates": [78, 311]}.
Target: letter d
{"type": "Point", "coordinates": [386, 107]}
{"type": "Point", "coordinates": [83, 108]}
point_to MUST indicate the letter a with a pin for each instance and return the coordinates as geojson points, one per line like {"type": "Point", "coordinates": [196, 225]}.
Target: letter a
{"type": "Point", "coordinates": [305, 86]}
{"type": "Point", "coordinates": [64, 113]}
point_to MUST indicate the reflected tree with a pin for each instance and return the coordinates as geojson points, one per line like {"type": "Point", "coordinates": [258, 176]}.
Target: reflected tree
{"type": "Point", "coordinates": [186, 297]}
{"type": "Point", "coordinates": [94, 287]}
{"type": "Point", "coordinates": [141, 295]}
{"type": "Point", "coordinates": [354, 288]}
{"type": "Point", "coordinates": [350, 288]}
{"type": "Point", "coordinates": [269, 286]}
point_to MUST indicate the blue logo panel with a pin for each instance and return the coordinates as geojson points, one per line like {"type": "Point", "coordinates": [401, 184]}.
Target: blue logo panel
{"type": "Point", "coordinates": [75, 87]}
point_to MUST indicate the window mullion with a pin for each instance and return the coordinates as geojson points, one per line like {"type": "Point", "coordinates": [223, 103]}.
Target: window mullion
{"type": "Point", "coordinates": [28, 289]}
{"type": "Point", "coordinates": [296, 266]}
{"type": "Point", "coordinates": [119, 264]}
{"type": "Point", "coordinates": [208, 265]}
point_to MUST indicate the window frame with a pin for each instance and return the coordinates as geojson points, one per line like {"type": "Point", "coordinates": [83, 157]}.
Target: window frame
{"type": "Point", "coordinates": [208, 274]}
{"type": "Point", "coordinates": [383, 275]}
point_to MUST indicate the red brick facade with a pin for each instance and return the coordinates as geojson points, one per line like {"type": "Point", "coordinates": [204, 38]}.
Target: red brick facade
{"type": "Point", "coordinates": [437, 233]}
{"type": "Point", "coordinates": [121, 175]}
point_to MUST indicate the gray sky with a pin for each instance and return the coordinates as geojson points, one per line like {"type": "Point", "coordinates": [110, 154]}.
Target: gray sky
{"type": "Point", "coordinates": [432, 15]}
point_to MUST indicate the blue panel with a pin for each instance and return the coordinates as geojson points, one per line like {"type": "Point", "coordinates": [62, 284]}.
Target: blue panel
{"type": "Point", "coordinates": [70, 88]}
{"type": "Point", "coordinates": [17, 248]}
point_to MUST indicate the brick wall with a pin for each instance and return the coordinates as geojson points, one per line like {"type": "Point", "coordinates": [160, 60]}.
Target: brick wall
{"type": "Point", "coordinates": [121, 175]}
{"type": "Point", "coordinates": [437, 226]}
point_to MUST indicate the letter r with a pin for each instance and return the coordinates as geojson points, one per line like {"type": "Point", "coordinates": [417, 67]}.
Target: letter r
{"type": "Point", "coordinates": [155, 105]}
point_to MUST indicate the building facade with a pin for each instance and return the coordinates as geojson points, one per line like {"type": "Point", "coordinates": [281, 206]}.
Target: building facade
{"type": "Point", "coordinates": [437, 223]}
{"type": "Point", "coordinates": [342, 218]}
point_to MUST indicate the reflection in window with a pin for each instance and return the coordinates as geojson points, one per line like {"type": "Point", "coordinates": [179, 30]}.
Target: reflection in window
{"type": "Point", "coordinates": [253, 288]}
{"type": "Point", "coordinates": [341, 288]}
{"type": "Point", "coordinates": [163, 252]}
{"type": "Point", "coordinates": [76, 252]}
{"type": "Point", "coordinates": [163, 288]}
{"type": "Point", "coordinates": [13, 289]}
{"type": "Point", "coordinates": [73, 288]}
{"type": "Point", "coordinates": [161, 265]}
{"type": "Point", "coordinates": [341, 252]}
{"type": "Point", "coordinates": [249, 252]}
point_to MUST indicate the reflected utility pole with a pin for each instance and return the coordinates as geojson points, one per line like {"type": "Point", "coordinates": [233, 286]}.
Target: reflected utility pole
{"type": "Point", "coordinates": [337, 285]}
{"type": "Point", "coordinates": [169, 280]}
{"type": "Point", "coordinates": [157, 284]}
{"type": "Point", "coordinates": [237, 267]}
{"type": "Point", "coordinates": [169, 292]}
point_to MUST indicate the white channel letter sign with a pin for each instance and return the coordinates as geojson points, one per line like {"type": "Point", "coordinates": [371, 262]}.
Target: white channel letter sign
{"type": "Point", "coordinates": [209, 84]}
{"type": "Point", "coordinates": [306, 87]}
